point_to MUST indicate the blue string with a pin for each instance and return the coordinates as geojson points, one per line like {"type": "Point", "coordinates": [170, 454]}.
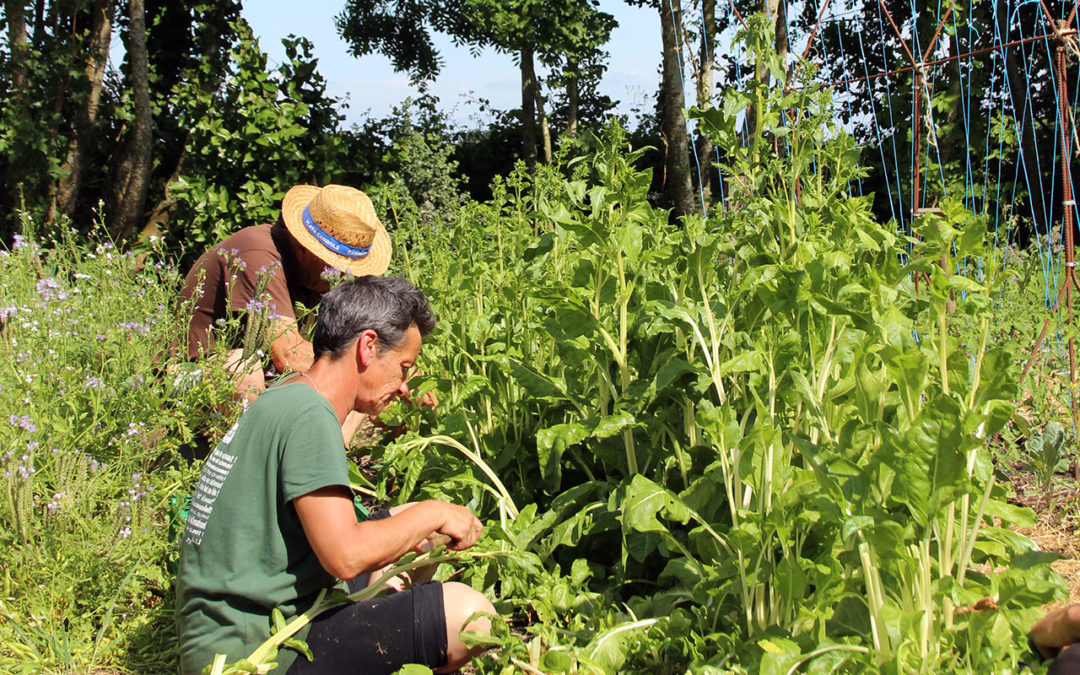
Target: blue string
{"type": "Point", "coordinates": [904, 227]}
{"type": "Point", "coordinates": [847, 104]}
{"type": "Point", "coordinates": [716, 150]}
{"type": "Point", "coordinates": [877, 127]}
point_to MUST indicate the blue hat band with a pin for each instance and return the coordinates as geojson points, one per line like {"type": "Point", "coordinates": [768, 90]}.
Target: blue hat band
{"type": "Point", "coordinates": [330, 241]}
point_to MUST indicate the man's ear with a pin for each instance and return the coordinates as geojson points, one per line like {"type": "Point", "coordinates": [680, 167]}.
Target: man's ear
{"type": "Point", "coordinates": [367, 345]}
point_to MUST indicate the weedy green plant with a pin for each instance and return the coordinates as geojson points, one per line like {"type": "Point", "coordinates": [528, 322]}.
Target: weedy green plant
{"type": "Point", "coordinates": [93, 424]}
{"type": "Point", "coordinates": [1046, 455]}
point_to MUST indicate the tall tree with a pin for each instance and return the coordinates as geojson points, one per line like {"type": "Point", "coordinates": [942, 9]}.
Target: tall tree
{"type": "Point", "coordinates": [132, 171]}
{"type": "Point", "coordinates": [678, 190]}
{"type": "Point", "coordinates": [96, 58]}
{"type": "Point", "coordinates": [401, 30]}
{"type": "Point", "coordinates": [575, 56]}
{"type": "Point", "coordinates": [18, 42]}
{"type": "Point", "coordinates": [193, 39]}
{"type": "Point", "coordinates": [525, 29]}
{"type": "Point", "coordinates": [530, 91]}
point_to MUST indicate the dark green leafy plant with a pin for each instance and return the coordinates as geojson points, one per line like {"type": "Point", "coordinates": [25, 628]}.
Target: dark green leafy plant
{"type": "Point", "coordinates": [770, 448]}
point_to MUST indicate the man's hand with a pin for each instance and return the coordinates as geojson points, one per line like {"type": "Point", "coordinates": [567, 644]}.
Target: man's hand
{"type": "Point", "coordinates": [461, 526]}
{"type": "Point", "coordinates": [429, 400]}
{"type": "Point", "coordinates": [1056, 630]}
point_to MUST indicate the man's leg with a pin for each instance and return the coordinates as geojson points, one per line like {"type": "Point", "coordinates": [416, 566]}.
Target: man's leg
{"type": "Point", "coordinates": [459, 603]}
{"type": "Point", "coordinates": [1067, 662]}
{"type": "Point", "coordinates": [379, 636]}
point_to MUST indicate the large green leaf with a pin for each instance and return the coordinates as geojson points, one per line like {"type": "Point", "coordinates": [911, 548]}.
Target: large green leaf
{"type": "Point", "coordinates": [551, 443]}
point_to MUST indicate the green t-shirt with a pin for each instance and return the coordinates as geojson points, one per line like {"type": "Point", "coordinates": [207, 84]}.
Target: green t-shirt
{"type": "Point", "coordinates": [244, 551]}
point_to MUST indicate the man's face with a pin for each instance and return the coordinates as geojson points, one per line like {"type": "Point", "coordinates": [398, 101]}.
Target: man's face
{"type": "Point", "coordinates": [386, 377]}
{"type": "Point", "coordinates": [310, 268]}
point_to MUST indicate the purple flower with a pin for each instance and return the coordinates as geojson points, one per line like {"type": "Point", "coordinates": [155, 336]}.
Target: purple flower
{"type": "Point", "coordinates": [48, 289]}
{"type": "Point", "coordinates": [134, 326]}
{"type": "Point", "coordinates": [20, 242]}
{"type": "Point", "coordinates": [92, 383]}
{"type": "Point", "coordinates": [5, 312]}
{"type": "Point", "coordinates": [24, 422]}
{"type": "Point", "coordinates": [125, 533]}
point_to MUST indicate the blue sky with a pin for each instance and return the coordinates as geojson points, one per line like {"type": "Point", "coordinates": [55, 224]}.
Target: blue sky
{"type": "Point", "coordinates": [372, 87]}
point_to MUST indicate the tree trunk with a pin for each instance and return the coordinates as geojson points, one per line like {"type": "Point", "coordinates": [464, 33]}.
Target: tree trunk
{"type": "Point", "coordinates": [545, 128]}
{"type": "Point", "coordinates": [209, 38]}
{"type": "Point", "coordinates": [778, 13]}
{"type": "Point", "coordinates": [132, 175]}
{"type": "Point", "coordinates": [39, 23]}
{"type": "Point", "coordinates": [528, 106]}
{"type": "Point", "coordinates": [711, 177]}
{"type": "Point", "coordinates": [677, 187]}
{"type": "Point", "coordinates": [17, 42]}
{"type": "Point", "coordinates": [571, 99]}
{"type": "Point", "coordinates": [67, 192]}
{"type": "Point", "coordinates": [18, 47]}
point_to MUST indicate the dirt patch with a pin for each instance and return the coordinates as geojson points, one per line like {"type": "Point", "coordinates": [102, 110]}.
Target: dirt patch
{"type": "Point", "coordinates": [1057, 525]}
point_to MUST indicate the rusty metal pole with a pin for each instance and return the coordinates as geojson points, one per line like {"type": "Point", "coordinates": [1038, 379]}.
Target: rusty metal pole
{"type": "Point", "coordinates": [916, 145]}
{"type": "Point", "coordinates": [1067, 204]}
{"type": "Point", "coordinates": [916, 151]}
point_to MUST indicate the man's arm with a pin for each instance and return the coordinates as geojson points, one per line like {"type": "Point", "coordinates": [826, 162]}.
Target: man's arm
{"type": "Point", "coordinates": [346, 548]}
{"type": "Point", "coordinates": [289, 351]}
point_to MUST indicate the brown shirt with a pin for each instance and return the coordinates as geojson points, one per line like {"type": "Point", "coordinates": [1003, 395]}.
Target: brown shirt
{"type": "Point", "coordinates": [260, 248]}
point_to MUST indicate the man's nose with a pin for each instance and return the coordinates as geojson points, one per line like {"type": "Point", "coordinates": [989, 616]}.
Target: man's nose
{"type": "Point", "coordinates": [403, 390]}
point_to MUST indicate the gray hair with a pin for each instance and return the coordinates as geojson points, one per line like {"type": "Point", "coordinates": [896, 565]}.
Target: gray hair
{"type": "Point", "coordinates": [386, 305]}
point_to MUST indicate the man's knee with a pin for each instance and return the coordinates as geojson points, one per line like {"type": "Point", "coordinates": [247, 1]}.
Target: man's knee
{"type": "Point", "coordinates": [461, 602]}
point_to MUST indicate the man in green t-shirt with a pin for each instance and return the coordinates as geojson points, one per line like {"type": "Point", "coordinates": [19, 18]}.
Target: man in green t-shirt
{"type": "Point", "coordinates": [272, 522]}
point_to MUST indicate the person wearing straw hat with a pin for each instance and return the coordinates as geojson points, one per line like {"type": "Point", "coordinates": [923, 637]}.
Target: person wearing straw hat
{"type": "Point", "coordinates": [273, 268]}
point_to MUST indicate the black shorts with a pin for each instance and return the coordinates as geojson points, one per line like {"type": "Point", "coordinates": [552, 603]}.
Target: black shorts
{"type": "Point", "coordinates": [1067, 662]}
{"type": "Point", "coordinates": [378, 636]}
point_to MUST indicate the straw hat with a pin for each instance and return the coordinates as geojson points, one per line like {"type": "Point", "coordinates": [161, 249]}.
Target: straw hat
{"type": "Point", "coordinates": [338, 224]}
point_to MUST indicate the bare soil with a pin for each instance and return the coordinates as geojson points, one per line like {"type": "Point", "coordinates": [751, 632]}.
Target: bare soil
{"type": "Point", "coordinates": [1057, 528]}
